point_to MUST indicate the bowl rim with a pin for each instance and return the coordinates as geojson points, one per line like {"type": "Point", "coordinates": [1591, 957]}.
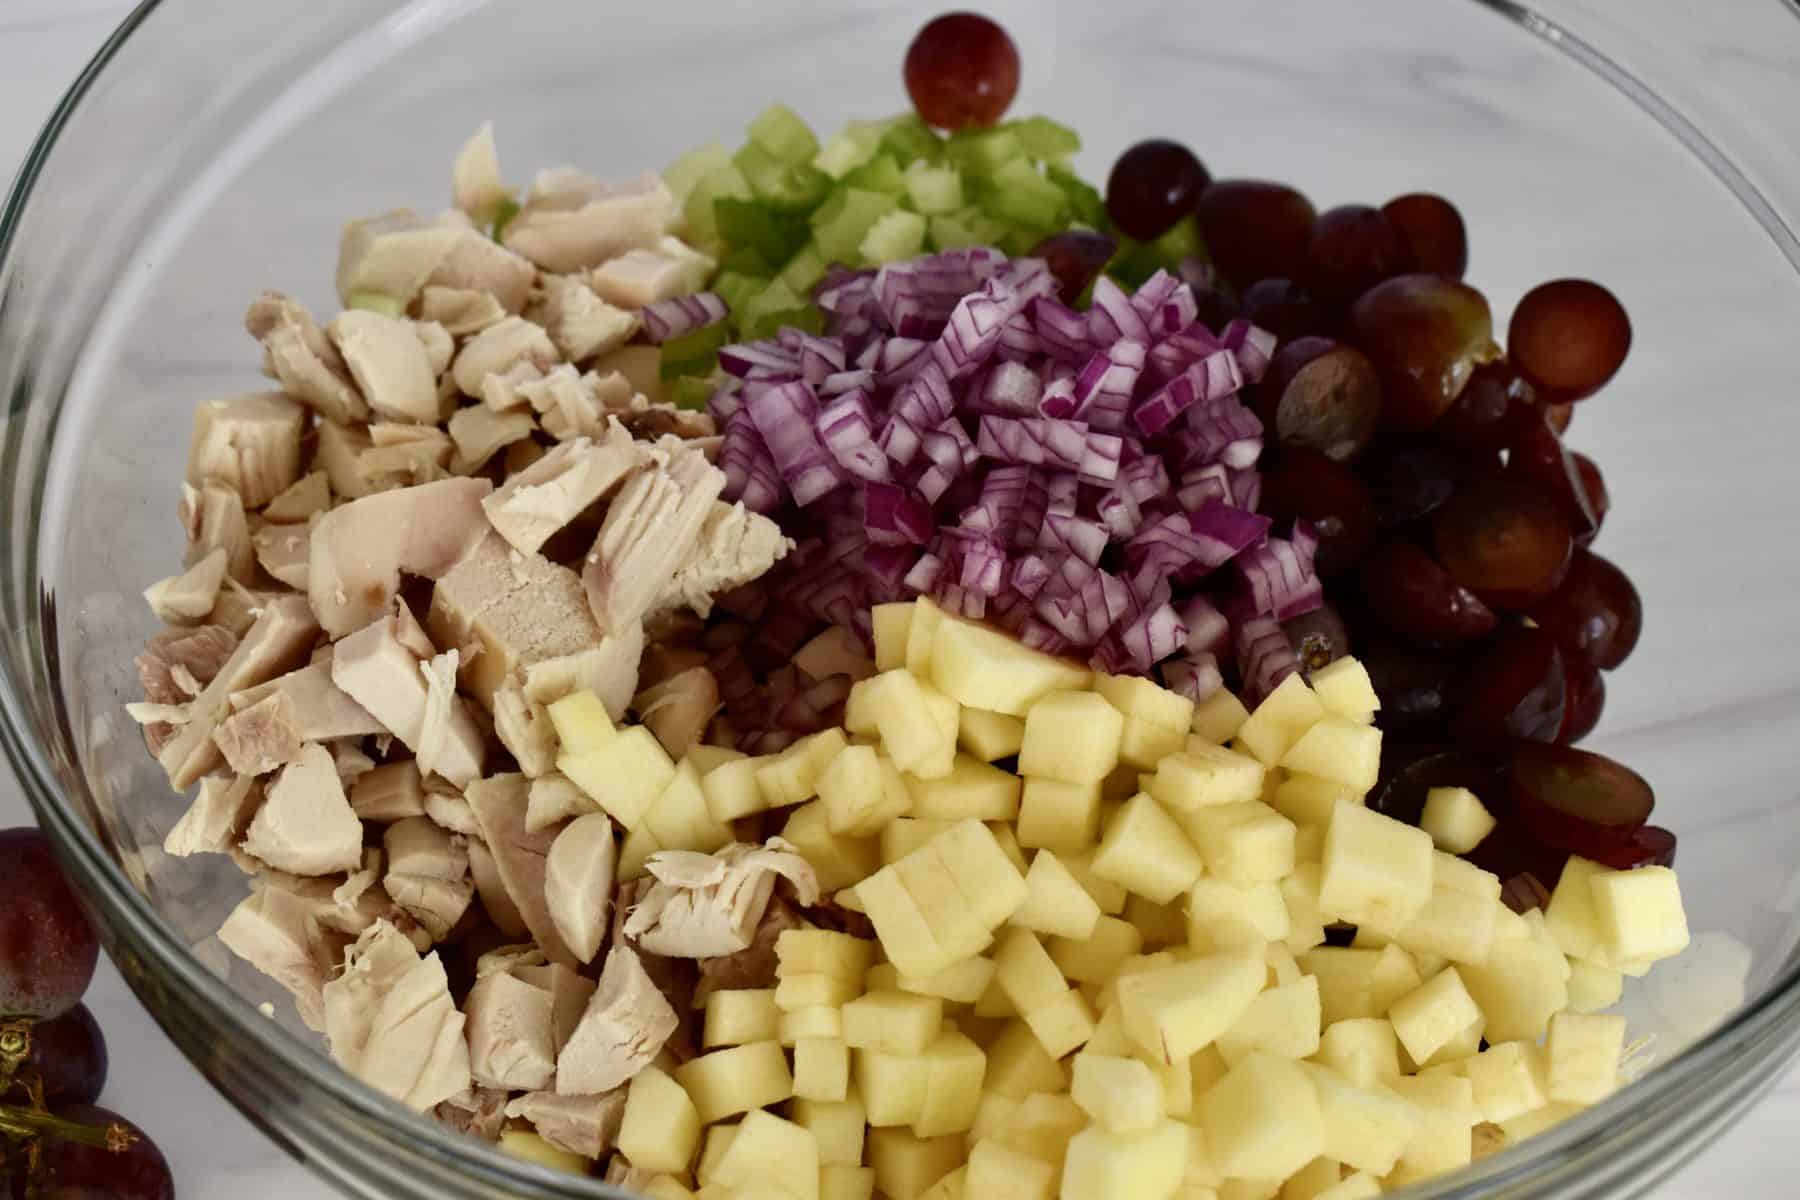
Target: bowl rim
{"type": "Point", "coordinates": [1674, 1110]}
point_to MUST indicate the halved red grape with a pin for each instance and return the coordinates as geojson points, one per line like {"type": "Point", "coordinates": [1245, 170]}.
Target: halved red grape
{"type": "Point", "coordinates": [1426, 335]}
{"type": "Point", "coordinates": [1569, 336]}
{"type": "Point", "coordinates": [1319, 638]}
{"type": "Point", "coordinates": [1304, 484]}
{"type": "Point", "coordinates": [962, 71]}
{"type": "Point", "coordinates": [1410, 480]}
{"type": "Point", "coordinates": [1560, 415]}
{"type": "Point", "coordinates": [1153, 185]}
{"type": "Point", "coordinates": [1352, 248]}
{"type": "Point", "coordinates": [1576, 800]}
{"type": "Point", "coordinates": [1412, 595]}
{"type": "Point", "coordinates": [69, 1055]}
{"type": "Point", "coordinates": [1596, 612]}
{"type": "Point", "coordinates": [1649, 846]}
{"type": "Point", "coordinates": [1488, 410]}
{"type": "Point", "coordinates": [47, 948]}
{"type": "Point", "coordinates": [1414, 685]}
{"type": "Point", "coordinates": [1538, 455]}
{"type": "Point", "coordinates": [1322, 395]}
{"type": "Point", "coordinates": [1512, 853]}
{"type": "Point", "coordinates": [1255, 229]}
{"type": "Point", "coordinates": [1593, 486]}
{"type": "Point", "coordinates": [1505, 541]}
{"type": "Point", "coordinates": [1432, 234]}
{"type": "Point", "coordinates": [78, 1172]}
{"type": "Point", "coordinates": [1515, 688]}
{"type": "Point", "coordinates": [1587, 698]}
{"type": "Point", "coordinates": [1284, 308]}
{"type": "Point", "coordinates": [1076, 258]}
{"type": "Point", "coordinates": [1402, 795]}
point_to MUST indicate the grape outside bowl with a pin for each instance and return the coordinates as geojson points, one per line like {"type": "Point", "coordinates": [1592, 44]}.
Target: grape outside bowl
{"type": "Point", "coordinates": [213, 149]}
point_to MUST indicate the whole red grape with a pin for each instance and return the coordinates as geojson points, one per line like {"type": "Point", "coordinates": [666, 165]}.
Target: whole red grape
{"type": "Point", "coordinates": [1431, 232]}
{"type": "Point", "coordinates": [1153, 185]}
{"type": "Point", "coordinates": [1425, 334]}
{"type": "Point", "coordinates": [1569, 336]}
{"type": "Point", "coordinates": [78, 1172]}
{"type": "Point", "coordinates": [962, 71]}
{"type": "Point", "coordinates": [68, 1053]}
{"type": "Point", "coordinates": [47, 948]}
{"type": "Point", "coordinates": [1255, 229]}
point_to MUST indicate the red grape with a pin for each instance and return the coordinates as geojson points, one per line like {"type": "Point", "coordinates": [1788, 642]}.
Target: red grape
{"type": "Point", "coordinates": [1593, 487]}
{"type": "Point", "coordinates": [1576, 800]}
{"type": "Point", "coordinates": [1352, 248]}
{"type": "Point", "coordinates": [47, 948]}
{"type": "Point", "coordinates": [1153, 185]}
{"type": "Point", "coordinates": [1648, 846]}
{"type": "Point", "coordinates": [1414, 685]}
{"type": "Point", "coordinates": [1215, 308]}
{"type": "Point", "coordinates": [1402, 796]}
{"type": "Point", "coordinates": [1426, 335]}
{"type": "Point", "coordinates": [1284, 308]}
{"type": "Point", "coordinates": [1559, 415]}
{"type": "Point", "coordinates": [1539, 457]}
{"type": "Point", "coordinates": [962, 71]}
{"type": "Point", "coordinates": [1596, 612]}
{"type": "Point", "coordinates": [1076, 258]}
{"type": "Point", "coordinates": [1322, 395]}
{"type": "Point", "coordinates": [1587, 698]}
{"type": "Point", "coordinates": [1417, 599]}
{"type": "Point", "coordinates": [1304, 484]}
{"type": "Point", "coordinates": [1319, 638]}
{"type": "Point", "coordinates": [1255, 229]}
{"type": "Point", "coordinates": [1515, 688]}
{"type": "Point", "coordinates": [1504, 541]}
{"type": "Point", "coordinates": [1410, 480]}
{"type": "Point", "coordinates": [69, 1055]}
{"type": "Point", "coordinates": [78, 1172]}
{"type": "Point", "coordinates": [1569, 336]}
{"type": "Point", "coordinates": [1488, 410]}
{"type": "Point", "coordinates": [1432, 234]}
{"type": "Point", "coordinates": [1511, 852]}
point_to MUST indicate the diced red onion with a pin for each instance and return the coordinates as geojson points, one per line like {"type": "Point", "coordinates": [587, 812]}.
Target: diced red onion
{"type": "Point", "coordinates": [1112, 317]}
{"type": "Point", "coordinates": [1103, 389]}
{"type": "Point", "coordinates": [1214, 377]}
{"type": "Point", "coordinates": [783, 414]}
{"type": "Point", "coordinates": [1197, 677]}
{"type": "Point", "coordinates": [1153, 636]}
{"type": "Point", "coordinates": [1265, 657]}
{"type": "Point", "coordinates": [1280, 580]}
{"type": "Point", "coordinates": [901, 359]}
{"type": "Point", "coordinates": [893, 516]}
{"type": "Point", "coordinates": [1253, 347]}
{"type": "Point", "coordinates": [1012, 388]}
{"type": "Point", "coordinates": [847, 427]}
{"type": "Point", "coordinates": [1221, 430]}
{"type": "Point", "coordinates": [1062, 332]}
{"type": "Point", "coordinates": [748, 360]}
{"type": "Point", "coordinates": [1209, 632]}
{"type": "Point", "coordinates": [682, 315]}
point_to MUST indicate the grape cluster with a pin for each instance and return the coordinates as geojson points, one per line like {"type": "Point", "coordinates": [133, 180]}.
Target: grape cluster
{"type": "Point", "coordinates": [54, 1141]}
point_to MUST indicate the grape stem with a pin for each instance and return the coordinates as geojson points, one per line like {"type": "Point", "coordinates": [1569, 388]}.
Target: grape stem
{"type": "Point", "coordinates": [15, 1048]}
{"type": "Point", "coordinates": [21, 1123]}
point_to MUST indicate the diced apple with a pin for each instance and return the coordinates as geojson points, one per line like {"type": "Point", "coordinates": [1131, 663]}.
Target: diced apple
{"type": "Point", "coordinates": [903, 835]}
{"type": "Point", "coordinates": [527, 1146]}
{"type": "Point", "coordinates": [892, 626]}
{"type": "Point", "coordinates": [1161, 924]}
{"type": "Point", "coordinates": [1042, 1125]}
{"type": "Point", "coordinates": [1071, 736]}
{"type": "Point", "coordinates": [1339, 750]}
{"type": "Point", "coordinates": [1432, 1014]}
{"type": "Point", "coordinates": [1363, 1050]}
{"type": "Point", "coordinates": [1280, 720]}
{"type": "Point", "coordinates": [1018, 1066]}
{"type": "Point", "coordinates": [893, 1022]}
{"type": "Point", "coordinates": [956, 929]}
{"type": "Point", "coordinates": [1395, 973]}
{"type": "Point", "coordinates": [1283, 967]}
{"type": "Point", "coordinates": [1359, 1185]}
{"type": "Point", "coordinates": [1583, 1053]}
{"type": "Point", "coordinates": [1508, 1080]}
{"type": "Point", "coordinates": [1102, 1165]}
{"type": "Point", "coordinates": [1095, 958]}
{"type": "Point", "coordinates": [959, 983]}
{"type": "Point", "coordinates": [1453, 924]}
{"type": "Point", "coordinates": [1344, 688]}
{"type": "Point", "coordinates": [953, 1090]}
{"type": "Point", "coordinates": [1442, 1142]}
{"type": "Point", "coordinates": [1107, 894]}
{"type": "Point", "coordinates": [893, 1087]}
{"type": "Point", "coordinates": [999, 1172]}
{"type": "Point", "coordinates": [1518, 988]}
{"type": "Point", "coordinates": [1376, 871]}
{"type": "Point", "coordinates": [1593, 987]}
{"type": "Point", "coordinates": [862, 791]}
{"type": "Point", "coordinates": [1300, 893]}
{"type": "Point", "coordinates": [906, 713]}
{"type": "Point", "coordinates": [838, 861]}
{"type": "Point", "coordinates": [1316, 1176]}
{"type": "Point", "coordinates": [906, 1165]}
{"type": "Point", "coordinates": [731, 790]}
{"type": "Point", "coordinates": [1026, 972]}
{"type": "Point", "coordinates": [771, 1152]}
{"type": "Point", "coordinates": [661, 1128]}
{"type": "Point", "coordinates": [859, 717]}
{"type": "Point", "coordinates": [984, 668]}
{"type": "Point", "coordinates": [990, 735]}
{"type": "Point", "coordinates": [1146, 852]}
{"type": "Point", "coordinates": [793, 776]}
{"type": "Point", "coordinates": [1533, 1123]}
{"type": "Point", "coordinates": [1640, 914]}
{"type": "Point", "coordinates": [624, 774]}
{"type": "Point", "coordinates": [1056, 903]}
{"type": "Point", "coordinates": [1008, 841]}
{"type": "Point", "coordinates": [1143, 744]}
{"type": "Point", "coordinates": [712, 1148]}
{"type": "Point", "coordinates": [921, 633]}
{"type": "Point", "coordinates": [726, 1082]}
{"type": "Point", "coordinates": [705, 757]}
{"type": "Point", "coordinates": [1263, 1120]}
{"type": "Point", "coordinates": [1244, 843]}
{"type": "Point", "coordinates": [581, 723]}
{"type": "Point", "coordinates": [1455, 819]}
{"type": "Point", "coordinates": [1219, 717]}
{"type": "Point", "coordinates": [900, 926]}
{"type": "Point", "coordinates": [1063, 1025]}
{"type": "Point", "coordinates": [1461, 875]}
{"type": "Point", "coordinates": [821, 1069]}
{"type": "Point", "coordinates": [1207, 775]}
{"type": "Point", "coordinates": [837, 1127]}
{"type": "Point", "coordinates": [735, 1017]}
{"type": "Point", "coordinates": [820, 1021]}
{"type": "Point", "coordinates": [1366, 1126]}
{"type": "Point", "coordinates": [1136, 696]}
{"type": "Point", "coordinates": [1064, 817]}
{"type": "Point", "coordinates": [1222, 915]}
{"type": "Point", "coordinates": [1309, 799]}
{"type": "Point", "coordinates": [972, 788]}
{"type": "Point", "coordinates": [846, 1181]}
{"type": "Point", "coordinates": [1175, 1011]}
{"type": "Point", "coordinates": [950, 1187]}
{"type": "Point", "coordinates": [1283, 1021]}
{"type": "Point", "coordinates": [635, 851]}
{"type": "Point", "coordinates": [822, 952]}
{"type": "Point", "coordinates": [679, 818]}
{"type": "Point", "coordinates": [1119, 1094]}
{"type": "Point", "coordinates": [796, 992]}
{"type": "Point", "coordinates": [983, 871]}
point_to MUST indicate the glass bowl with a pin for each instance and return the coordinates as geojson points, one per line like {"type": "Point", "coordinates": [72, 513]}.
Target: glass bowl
{"type": "Point", "coordinates": [213, 149]}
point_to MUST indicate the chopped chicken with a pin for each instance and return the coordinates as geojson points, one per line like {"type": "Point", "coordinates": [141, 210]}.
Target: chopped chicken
{"type": "Point", "coordinates": [250, 443]}
{"type": "Point", "coordinates": [261, 737]}
{"type": "Point", "coordinates": [678, 709]}
{"type": "Point", "coordinates": [555, 799]}
{"type": "Point", "coordinates": [410, 633]}
{"type": "Point", "coordinates": [735, 546]}
{"type": "Point", "coordinates": [450, 808]}
{"type": "Point", "coordinates": [496, 901]}
{"type": "Point", "coordinates": [511, 1036]}
{"type": "Point", "coordinates": [571, 220]}
{"type": "Point", "coordinates": [652, 526]}
{"type": "Point", "coordinates": [609, 670]}
{"type": "Point", "coordinates": [500, 348]}
{"type": "Point", "coordinates": [392, 1023]}
{"type": "Point", "coordinates": [377, 669]}
{"type": "Point", "coordinates": [508, 610]}
{"type": "Point", "coordinates": [175, 658]}
{"type": "Point", "coordinates": [360, 549]}
{"type": "Point", "coordinates": [519, 856]}
{"type": "Point", "coordinates": [436, 904]}
{"type": "Point", "coordinates": [238, 606]}
{"type": "Point", "coordinates": [642, 277]}
{"type": "Point", "coordinates": [214, 518]}
{"type": "Point", "coordinates": [704, 905]}
{"type": "Point", "coordinates": [401, 455]}
{"type": "Point", "coordinates": [624, 1028]}
{"type": "Point", "coordinates": [476, 185]}
{"type": "Point", "coordinates": [440, 347]}
{"type": "Point", "coordinates": [216, 820]}
{"type": "Point", "coordinates": [389, 363]}
{"type": "Point", "coordinates": [579, 322]}
{"type": "Point", "coordinates": [187, 598]}
{"type": "Point", "coordinates": [307, 495]}
{"type": "Point", "coordinates": [569, 994]}
{"type": "Point", "coordinates": [321, 710]}
{"type": "Point", "coordinates": [479, 433]}
{"type": "Point", "coordinates": [537, 502]}
{"type": "Point", "coordinates": [459, 311]}
{"type": "Point", "coordinates": [578, 882]}
{"type": "Point", "coordinates": [339, 453]}
{"type": "Point", "coordinates": [479, 1112]}
{"type": "Point", "coordinates": [351, 761]}
{"type": "Point", "coordinates": [524, 729]}
{"type": "Point", "coordinates": [573, 405]}
{"type": "Point", "coordinates": [434, 751]}
{"type": "Point", "coordinates": [399, 253]}
{"type": "Point", "coordinates": [754, 965]}
{"type": "Point", "coordinates": [391, 792]}
{"type": "Point", "coordinates": [584, 1125]}
{"type": "Point", "coordinates": [279, 641]}
{"type": "Point", "coordinates": [418, 846]}
{"type": "Point", "coordinates": [282, 551]}
{"type": "Point", "coordinates": [653, 421]}
{"type": "Point", "coordinates": [276, 931]}
{"type": "Point", "coordinates": [305, 826]}
{"type": "Point", "coordinates": [297, 353]}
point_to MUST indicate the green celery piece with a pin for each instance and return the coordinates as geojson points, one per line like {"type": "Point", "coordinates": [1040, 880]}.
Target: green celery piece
{"type": "Point", "coordinates": [1085, 202]}
{"type": "Point", "coordinates": [1182, 240]}
{"type": "Point", "coordinates": [983, 152]}
{"type": "Point", "coordinates": [691, 392]}
{"type": "Point", "coordinates": [1018, 194]}
{"type": "Point", "coordinates": [773, 235]}
{"type": "Point", "coordinates": [776, 297]}
{"type": "Point", "coordinates": [1137, 261]}
{"type": "Point", "coordinates": [841, 223]}
{"type": "Point", "coordinates": [781, 132]}
{"type": "Point", "coordinates": [808, 317]}
{"type": "Point", "coordinates": [868, 134]}
{"type": "Point", "coordinates": [950, 231]}
{"type": "Point", "coordinates": [727, 181]}
{"type": "Point", "coordinates": [509, 208]}
{"type": "Point", "coordinates": [842, 155]}
{"type": "Point", "coordinates": [909, 139]}
{"type": "Point", "coordinates": [933, 189]}
{"type": "Point", "coordinates": [788, 187]}
{"type": "Point", "coordinates": [746, 260]}
{"type": "Point", "coordinates": [387, 306]}
{"type": "Point", "coordinates": [738, 289]}
{"type": "Point", "coordinates": [897, 236]}
{"type": "Point", "coordinates": [694, 353]}
{"type": "Point", "coordinates": [1018, 241]}
{"type": "Point", "coordinates": [1043, 139]}
{"type": "Point", "coordinates": [879, 174]}
{"type": "Point", "coordinates": [803, 270]}
{"type": "Point", "coordinates": [681, 175]}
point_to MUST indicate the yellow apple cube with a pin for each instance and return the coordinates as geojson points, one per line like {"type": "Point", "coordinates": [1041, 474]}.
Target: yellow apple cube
{"type": "Point", "coordinates": [921, 632]}
{"type": "Point", "coordinates": [793, 775]}
{"type": "Point", "coordinates": [679, 819]}
{"type": "Point", "coordinates": [999, 1172]}
{"type": "Point", "coordinates": [906, 714]}
{"type": "Point", "coordinates": [731, 790]}
{"type": "Point", "coordinates": [1063, 1025]}
{"type": "Point", "coordinates": [1207, 775]}
{"type": "Point", "coordinates": [1263, 1120]}
{"type": "Point", "coordinates": [1344, 751]}
{"type": "Point", "coordinates": [972, 789]}
{"type": "Point", "coordinates": [1145, 852]}
{"type": "Point", "coordinates": [1508, 1080]}
{"type": "Point", "coordinates": [1243, 843]}
{"type": "Point", "coordinates": [984, 668]}
{"type": "Point", "coordinates": [1443, 1140]}
{"type": "Point", "coordinates": [1107, 894]}
{"type": "Point", "coordinates": [661, 1128]}
{"type": "Point", "coordinates": [1300, 894]}
{"type": "Point", "coordinates": [796, 992]}
{"type": "Point", "coordinates": [1310, 799]}
{"type": "Point", "coordinates": [1219, 718]}
{"type": "Point", "coordinates": [859, 718]}
{"type": "Point", "coordinates": [1222, 915]}
{"type": "Point", "coordinates": [862, 791]}
{"type": "Point", "coordinates": [959, 930]}
{"type": "Point", "coordinates": [837, 1126]}
{"type": "Point", "coordinates": [906, 1165]}
{"type": "Point", "coordinates": [846, 1181]}
{"type": "Point", "coordinates": [1593, 987]}
{"type": "Point", "coordinates": [960, 983]}
{"type": "Point", "coordinates": [893, 1087]}
{"type": "Point", "coordinates": [773, 1153]}
{"type": "Point", "coordinates": [1119, 1094]}
{"type": "Point", "coordinates": [1142, 744]}
{"type": "Point", "coordinates": [1018, 1066]}
{"type": "Point", "coordinates": [635, 852]}
{"type": "Point", "coordinates": [1064, 817]}
{"type": "Point", "coordinates": [989, 735]}
{"type": "Point", "coordinates": [1363, 1050]}
{"type": "Point", "coordinates": [821, 1021]}
{"type": "Point", "coordinates": [1142, 699]}
{"type": "Point", "coordinates": [1313, 1178]}
{"type": "Point", "coordinates": [1376, 871]}
{"type": "Point", "coordinates": [1520, 986]}
{"type": "Point", "coordinates": [527, 1146]}
{"type": "Point", "coordinates": [1366, 1126]}
{"type": "Point", "coordinates": [955, 1066]}
{"type": "Point", "coordinates": [838, 861]}
{"type": "Point", "coordinates": [903, 835]}
{"type": "Point", "coordinates": [1640, 914]}
{"type": "Point", "coordinates": [1026, 972]}
{"type": "Point", "coordinates": [735, 1017]}
{"type": "Point", "coordinates": [892, 627]}
{"type": "Point", "coordinates": [1455, 819]}
{"type": "Point", "coordinates": [1344, 688]}
{"type": "Point", "coordinates": [1283, 1021]}
{"type": "Point", "coordinates": [581, 723]}
{"type": "Point", "coordinates": [821, 1068]}
{"type": "Point", "coordinates": [822, 952]}
{"type": "Point", "coordinates": [726, 1082]}
{"type": "Point", "coordinates": [1280, 720]}
{"type": "Point", "coordinates": [1102, 1165]}
{"type": "Point", "coordinates": [1583, 1053]}
{"type": "Point", "coordinates": [1453, 925]}
{"type": "Point", "coordinates": [1359, 1185]}
{"type": "Point", "coordinates": [1095, 958]}
{"type": "Point", "coordinates": [1056, 903]}
{"type": "Point", "coordinates": [1433, 1014]}
{"type": "Point", "coordinates": [1071, 736]}
{"type": "Point", "coordinates": [1175, 1011]}
{"type": "Point", "coordinates": [624, 774]}
{"type": "Point", "coordinates": [901, 928]}
{"type": "Point", "coordinates": [894, 1022]}
{"type": "Point", "coordinates": [1161, 924]}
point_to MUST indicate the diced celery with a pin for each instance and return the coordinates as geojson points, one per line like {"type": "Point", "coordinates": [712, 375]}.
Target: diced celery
{"type": "Point", "coordinates": [909, 138]}
{"type": "Point", "coordinates": [1017, 193]}
{"type": "Point", "coordinates": [841, 223]}
{"type": "Point", "coordinates": [695, 353]}
{"type": "Point", "coordinates": [868, 134]}
{"type": "Point", "coordinates": [1085, 203]}
{"type": "Point", "coordinates": [950, 231]}
{"type": "Point", "coordinates": [879, 174]}
{"type": "Point", "coordinates": [984, 151]}
{"type": "Point", "coordinates": [774, 236]}
{"type": "Point", "coordinates": [691, 391]}
{"type": "Point", "coordinates": [781, 132]}
{"type": "Point", "coordinates": [1136, 261]}
{"type": "Point", "coordinates": [509, 208]}
{"type": "Point", "coordinates": [803, 270]}
{"type": "Point", "coordinates": [726, 181]}
{"type": "Point", "coordinates": [777, 297]}
{"type": "Point", "coordinates": [842, 155]}
{"type": "Point", "coordinates": [807, 317]}
{"type": "Point", "coordinates": [746, 260]}
{"type": "Point", "coordinates": [788, 187]}
{"type": "Point", "coordinates": [681, 175]}
{"type": "Point", "coordinates": [899, 235]}
{"type": "Point", "coordinates": [1018, 241]}
{"type": "Point", "coordinates": [1044, 139]}
{"type": "Point", "coordinates": [934, 189]}
{"type": "Point", "coordinates": [737, 289]}
{"type": "Point", "coordinates": [1181, 241]}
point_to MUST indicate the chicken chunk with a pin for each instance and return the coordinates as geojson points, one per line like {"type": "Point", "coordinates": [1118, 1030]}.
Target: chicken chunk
{"type": "Point", "coordinates": [305, 826]}
{"type": "Point", "coordinates": [642, 277]}
{"type": "Point", "coordinates": [217, 818]}
{"type": "Point", "coordinates": [524, 729]}
{"type": "Point", "coordinates": [476, 185]}
{"type": "Point", "coordinates": [388, 793]}
{"type": "Point", "coordinates": [499, 349]}
{"type": "Point", "coordinates": [622, 1031]}
{"type": "Point", "coordinates": [705, 905]}
{"type": "Point", "coordinates": [571, 221]}
{"type": "Point", "coordinates": [579, 322]}
{"type": "Point", "coordinates": [380, 673]}
{"type": "Point", "coordinates": [398, 254]}
{"type": "Point", "coordinates": [578, 882]}
{"type": "Point", "coordinates": [214, 518]}
{"type": "Point", "coordinates": [283, 551]}
{"type": "Point", "coordinates": [569, 994]}
{"type": "Point", "coordinates": [175, 660]}
{"type": "Point", "coordinates": [389, 363]}
{"type": "Point", "coordinates": [392, 1023]}
{"type": "Point", "coordinates": [609, 670]}
{"type": "Point", "coordinates": [275, 930]}
{"type": "Point", "coordinates": [186, 598]}
{"type": "Point", "coordinates": [404, 455]}
{"type": "Point", "coordinates": [573, 405]}
{"type": "Point", "coordinates": [319, 709]}
{"type": "Point", "coordinates": [297, 354]}
{"type": "Point", "coordinates": [651, 528]}
{"type": "Point", "coordinates": [461, 313]}
{"type": "Point", "coordinates": [250, 443]}
{"type": "Point", "coordinates": [678, 709]}
{"type": "Point", "coordinates": [479, 1112]}
{"type": "Point", "coordinates": [537, 502]}
{"type": "Point", "coordinates": [555, 799]}
{"type": "Point", "coordinates": [479, 433]}
{"type": "Point", "coordinates": [519, 857]}
{"type": "Point", "coordinates": [735, 546]}
{"type": "Point", "coordinates": [584, 1125]}
{"type": "Point", "coordinates": [511, 1034]}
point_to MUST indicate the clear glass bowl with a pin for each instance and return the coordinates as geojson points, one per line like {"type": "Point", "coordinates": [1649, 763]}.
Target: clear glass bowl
{"type": "Point", "coordinates": [213, 149]}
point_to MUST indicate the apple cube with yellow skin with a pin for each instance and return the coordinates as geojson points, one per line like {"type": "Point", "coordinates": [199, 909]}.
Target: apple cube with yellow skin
{"type": "Point", "coordinates": [793, 776]}
{"type": "Point", "coordinates": [1244, 843]}
{"type": "Point", "coordinates": [527, 1146]}
{"type": "Point", "coordinates": [713, 1146]}
{"type": "Point", "coordinates": [1206, 775]}
{"type": "Point", "coordinates": [957, 930]}
{"type": "Point", "coordinates": [1055, 903]}
{"type": "Point", "coordinates": [1395, 973]}
{"type": "Point", "coordinates": [989, 736]}
{"type": "Point", "coordinates": [908, 715]}
{"type": "Point", "coordinates": [1175, 1011]}
{"type": "Point", "coordinates": [859, 718]}
{"type": "Point", "coordinates": [1095, 958]}
{"type": "Point", "coordinates": [1593, 987]}
{"type": "Point", "coordinates": [893, 1022]}
{"type": "Point", "coordinates": [1161, 924]}
{"type": "Point", "coordinates": [893, 1087]}
{"type": "Point", "coordinates": [1218, 718]}
{"type": "Point", "coordinates": [984, 668]}
{"type": "Point", "coordinates": [1142, 699]}
{"type": "Point", "coordinates": [846, 1181]}
{"type": "Point", "coordinates": [679, 819]}
{"type": "Point", "coordinates": [1582, 1055]}
{"type": "Point", "coordinates": [971, 789]}
{"type": "Point", "coordinates": [731, 790]}
{"type": "Point", "coordinates": [1119, 1094]}
{"type": "Point", "coordinates": [921, 632]}
{"type": "Point", "coordinates": [723, 1083]}
{"type": "Point", "coordinates": [900, 926]}
{"type": "Point", "coordinates": [1363, 1050]}
{"type": "Point", "coordinates": [907, 1165]}
{"type": "Point", "coordinates": [661, 1128]}
{"type": "Point", "coordinates": [1000, 1172]}
{"type": "Point", "coordinates": [796, 992]}
{"type": "Point", "coordinates": [1300, 894]}
{"type": "Point", "coordinates": [1640, 914]}
{"type": "Point", "coordinates": [1262, 1120]}
{"type": "Point", "coordinates": [1309, 799]}
{"type": "Point", "coordinates": [1042, 1125]}
{"type": "Point", "coordinates": [1102, 1165]}
{"type": "Point", "coordinates": [770, 1151]}
{"type": "Point", "coordinates": [822, 952]}
{"type": "Point", "coordinates": [1508, 1080]}
{"type": "Point", "coordinates": [837, 1126]}
{"type": "Point", "coordinates": [635, 852]}
{"type": "Point", "coordinates": [903, 835]}
{"type": "Point", "coordinates": [1345, 689]}
{"type": "Point", "coordinates": [1145, 852]}
{"type": "Point", "coordinates": [581, 722]}
{"type": "Point", "coordinates": [1520, 986]}
{"type": "Point", "coordinates": [1071, 736]}
{"type": "Point", "coordinates": [1018, 1066]}
{"type": "Point", "coordinates": [839, 862]}
{"type": "Point", "coordinates": [955, 1066]}
{"type": "Point", "coordinates": [1366, 1126]}
{"type": "Point", "coordinates": [1064, 817]}
{"type": "Point", "coordinates": [1222, 915]}
{"type": "Point", "coordinates": [990, 882]}
{"type": "Point", "coordinates": [862, 791]}
{"type": "Point", "coordinates": [1283, 1021]}
{"type": "Point", "coordinates": [1142, 744]}
{"type": "Point", "coordinates": [1339, 750]}
{"type": "Point", "coordinates": [1313, 1178]}
{"type": "Point", "coordinates": [1026, 973]}
{"type": "Point", "coordinates": [821, 1068]}
{"type": "Point", "coordinates": [1453, 925]}
{"type": "Point", "coordinates": [1433, 1014]}
{"type": "Point", "coordinates": [737, 1016]}
{"type": "Point", "coordinates": [1442, 1141]}
{"type": "Point", "coordinates": [892, 625]}
{"type": "Point", "coordinates": [820, 1021]}
{"type": "Point", "coordinates": [1280, 720]}
{"type": "Point", "coordinates": [1063, 1025]}
{"type": "Point", "coordinates": [624, 774]}
{"type": "Point", "coordinates": [1455, 819]}
{"type": "Point", "coordinates": [1376, 871]}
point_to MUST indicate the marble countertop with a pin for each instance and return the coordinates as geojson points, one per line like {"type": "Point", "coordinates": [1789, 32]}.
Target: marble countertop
{"type": "Point", "coordinates": [216, 1152]}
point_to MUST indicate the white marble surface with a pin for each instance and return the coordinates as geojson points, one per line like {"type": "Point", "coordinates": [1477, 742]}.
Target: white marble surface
{"type": "Point", "coordinates": [216, 1153]}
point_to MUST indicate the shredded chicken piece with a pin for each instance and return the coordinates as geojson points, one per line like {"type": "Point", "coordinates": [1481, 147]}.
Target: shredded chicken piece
{"type": "Point", "coordinates": [197, 652]}
{"type": "Point", "coordinates": [217, 818]}
{"type": "Point", "coordinates": [571, 405]}
{"type": "Point", "coordinates": [306, 826]}
{"type": "Point", "coordinates": [678, 709]}
{"type": "Point", "coordinates": [524, 729]}
{"type": "Point", "coordinates": [250, 444]}
{"type": "Point", "coordinates": [276, 930]}
{"type": "Point", "coordinates": [297, 353]}
{"type": "Point", "coordinates": [399, 253]}
{"type": "Point", "coordinates": [479, 433]}
{"type": "Point", "coordinates": [388, 362]}
{"type": "Point", "coordinates": [187, 598]}
{"type": "Point", "coordinates": [500, 348]}
{"type": "Point", "coordinates": [579, 322]}
{"type": "Point", "coordinates": [705, 905]}
{"type": "Point", "coordinates": [537, 502]}
{"type": "Point", "coordinates": [460, 311]}
{"type": "Point", "coordinates": [511, 1035]}
{"type": "Point", "coordinates": [652, 526]}
{"type": "Point", "coordinates": [214, 518]}
{"type": "Point", "coordinates": [391, 1021]}
{"type": "Point", "coordinates": [623, 1030]}
{"type": "Point", "coordinates": [571, 221]}
{"type": "Point", "coordinates": [609, 670]}
{"type": "Point", "coordinates": [440, 697]}
{"type": "Point", "coordinates": [307, 495]}
{"type": "Point", "coordinates": [735, 546]}
{"type": "Point", "coordinates": [403, 455]}
{"type": "Point", "coordinates": [377, 669]}
{"type": "Point", "coordinates": [519, 855]}
{"type": "Point", "coordinates": [479, 1112]}
{"type": "Point", "coordinates": [282, 551]}
{"type": "Point", "coordinates": [584, 1125]}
